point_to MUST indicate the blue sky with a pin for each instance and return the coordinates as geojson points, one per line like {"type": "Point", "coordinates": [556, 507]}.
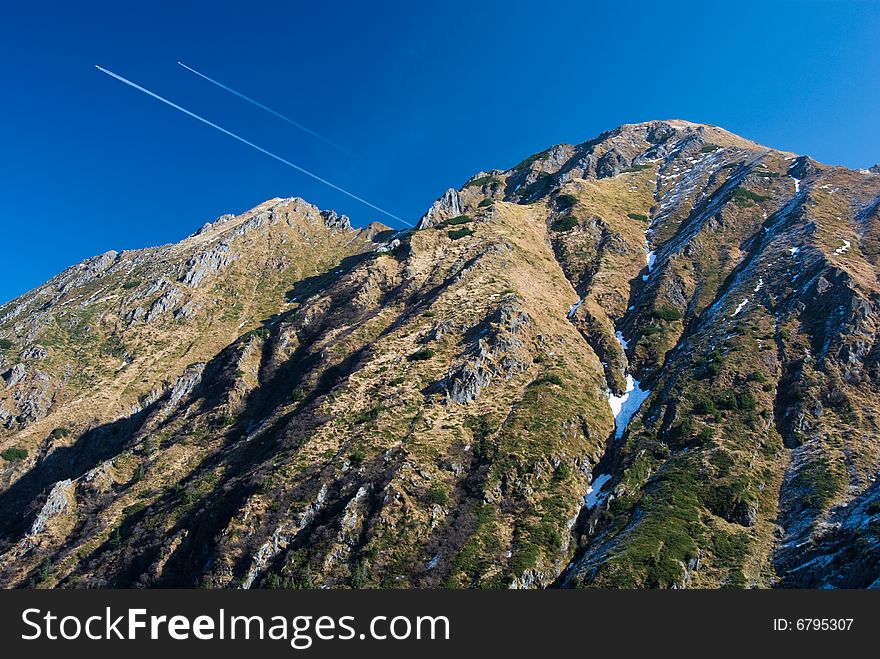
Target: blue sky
{"type": "Point", "coordinates": [423, 95]}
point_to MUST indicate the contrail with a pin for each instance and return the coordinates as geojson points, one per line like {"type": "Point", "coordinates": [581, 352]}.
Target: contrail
{"type": "Point", "coordinates": [252, 145]}
{"type": "Point", "coordinates": [267, 109]}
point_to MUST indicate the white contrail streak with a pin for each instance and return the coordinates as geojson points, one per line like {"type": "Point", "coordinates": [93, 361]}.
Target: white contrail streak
{"type": "Point", "coordinates": [251, 144]}
{"type": "Point", "coordinates": [267, 109]}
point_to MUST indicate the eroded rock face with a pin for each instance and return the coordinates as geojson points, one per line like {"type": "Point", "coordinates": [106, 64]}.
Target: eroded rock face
{"type": "Point", "coordinates": [646, 360]}
{"type": "Point", "coordinates": [446, 207]}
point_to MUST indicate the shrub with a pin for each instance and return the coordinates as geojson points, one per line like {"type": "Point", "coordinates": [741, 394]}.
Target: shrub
{"type": "Point", "coordinates": [483, 181]}
{"type": "Point", "coordinates": [637, 216]}
{"type": "Point", "coordinates": [566, 200]}
{"type": "Point", "coordinates": [704, 405]}
{"type": "Point", "coordinates": [736, 400]}
{"type": "Point", "coordinates": [541, 155]}
{"type": "Point", "coordinates": [357, 455]}
{"type": "Point", "coordinates": [14, 454]}
{"type": "Point", "coordinates": [130, 284]}
{"type": "Point", "coordinates": [756, 376]}
{"type": "Point", "coordinates": [134, 509]}
{"type": "Point", "coordinates": [437, 494]}
{"type": "Point", "coordinates": [422, 355]}
{"type": "Point", "coordinates": [731, 165]}
{"type": "Point", "coordinates": [667, 313]}
{"type": "Point", "coordinates": [709, 148]}
{"type": "Point", "coordinates": [455, 234]}
{"type": "Point", "coordinates": [549, 378]}
{"type": "Point", "coordinates": [258, 333]}
{"type": "Point", "coordinates": [564, 224]}
{"type": "Point", "coordinates": [58, 433]}
{"type": "Point", "coordinates": [563, 471]}
{"type": "Point", "coordinates": [454, 221]}
{"type": "Point", "coordinates": [635, 168]}
{"type": "Point", "coordinates": [744, 198]}
{"type": "Point", "coordinates": [365, 416]}
{"type": "Point", "coordinates": [486, 202]}
{"type": "Point", "coordinates": [5, 344]}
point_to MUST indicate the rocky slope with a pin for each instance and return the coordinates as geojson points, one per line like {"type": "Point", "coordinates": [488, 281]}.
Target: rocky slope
{"type": "Point", "coordinates": [647, 360]}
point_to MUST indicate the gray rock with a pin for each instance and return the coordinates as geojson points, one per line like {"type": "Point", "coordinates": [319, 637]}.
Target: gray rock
{"type": "Point", "coordinates": [447, 206]}
{"type": "Point", "coordinates": [14, 375]}
{"type": "Point", "coordinates": [57, 503]}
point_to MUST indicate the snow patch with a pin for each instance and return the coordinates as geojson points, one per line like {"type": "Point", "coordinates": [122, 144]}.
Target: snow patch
{"type": "Point", "coordinates": [794, 250]}
{"type": "Point", "coordinates": [623, 342]}
{"type": "Point", "coordinates": [842, 249]}
{"type": "Point", "coordinates": [594, 493]}
{"type": "Point", "coordinates": [740, 307]}
{"type": "Point", "coordinates": [760, 284]}
{"type": "Point", "coordinates": [651, 258]}
{"type": "Point", "coordinates": [625, 406]}
{"type": "Point", "coordinates": [573, 308]}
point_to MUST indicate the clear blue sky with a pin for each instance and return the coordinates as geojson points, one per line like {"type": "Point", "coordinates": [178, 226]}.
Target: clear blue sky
{"type": "Point", "coordinates": [424, 94]}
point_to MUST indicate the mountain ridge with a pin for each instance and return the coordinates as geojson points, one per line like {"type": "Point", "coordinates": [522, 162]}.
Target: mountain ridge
{"type": "Point", "coordinates": [646, 360]}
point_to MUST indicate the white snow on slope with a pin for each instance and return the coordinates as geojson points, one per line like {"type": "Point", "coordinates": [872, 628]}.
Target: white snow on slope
{"type": "Point", "coordinates": [794, 250]}
{"type": "Point", "coordinates": [797, 183]}
{"type": "Point", "coordinates": [594, 492]}
{"type": "Point", "coordinates": [651, 258]}
{"type": "Point", "coordinates": [760, 284]}
{"type": "Point", "coordinates": [740, 307]}
{"type": "Point", "coordinates": [846, 245]}
{"type": "Point", "coordinates": [573, 308]}
{"type": "Point", "coordinates": [625, 406]}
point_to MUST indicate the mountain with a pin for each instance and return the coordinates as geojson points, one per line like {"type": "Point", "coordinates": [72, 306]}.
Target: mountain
{"type": "Point", "coordinates": [648, 360]}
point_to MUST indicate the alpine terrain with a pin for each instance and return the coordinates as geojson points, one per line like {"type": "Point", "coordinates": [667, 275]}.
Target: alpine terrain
{"type": "Point", "coordinates": [650, 360]}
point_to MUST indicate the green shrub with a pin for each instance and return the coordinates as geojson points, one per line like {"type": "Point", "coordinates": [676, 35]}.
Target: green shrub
{"type": "Point", "coordinates": [455, 234]}
{"type": "Point", "coordinates": [566, 200]}
{"type": "Point", "coordinates": [564, 224]}
{"type": "Point", "coordinates": [14, 454]}
{"type": "Point", "coordinates": [651, 330]}
{"type": "Point", "coordinates": [422, 355]}
{"type": "Point", "coordinates": [486, 202]}
{"type": "Point", "coordinates": [455, 221]}
{"type": "Point", "coordinates": [5, 344]}
{"type": "Point", "coordinates": [744, 198]}
{"type": "Point", "coordinates": [365, 416]}
{"type": "Point", "coordinates": [258, 333]}
{"type": "Point", "coordinates": [667, 313]}
{"type": "Point", "coordinates": [549, 378]}
{"type": "Point", "coordinates": [134, 509]}
{"type": "Point", "coordinates": [635, 168]}
{"type": "Point", "coordinates": [736, 400]}
{"type": "Point", "coordinates": [130, 284]}
{"type": "Point", "coordinates": [357, 455]}
{"type": "Point", "coordinates": [438, 494]}
{"type": "Point", "coordinates": [637, 216]}
{"type": "Point", "coordinates": [731, 165]}
{"type": "Point", "coordinates": [756, 376]}
{"type": "Point", "coordinates": [709, 148]}
{"type": "Point", "coordinates": [563, 472]}
{"type": "Point", "coordinates": [541, 155]}
{"type": "Point", "coordinates": [58, 433]}
{"type": "Point", "coordinates": [703, 404]}
{"type": "Point", "coordinates": [483, 181]}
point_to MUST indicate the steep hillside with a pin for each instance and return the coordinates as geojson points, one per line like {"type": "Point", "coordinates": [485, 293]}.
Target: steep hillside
{"type": "Point", "coordinates": [648, 360]}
